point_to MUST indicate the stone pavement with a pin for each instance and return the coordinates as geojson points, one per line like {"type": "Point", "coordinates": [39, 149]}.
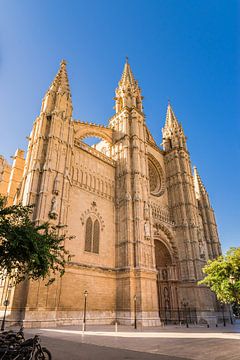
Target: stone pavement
{"type": "Point", "coordinates": [169, 343]}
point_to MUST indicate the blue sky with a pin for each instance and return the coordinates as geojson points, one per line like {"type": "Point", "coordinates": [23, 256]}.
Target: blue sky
{"type": "Point", "coordinates": [182, 50]}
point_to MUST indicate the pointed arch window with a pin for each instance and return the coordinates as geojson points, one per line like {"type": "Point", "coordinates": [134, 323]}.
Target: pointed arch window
{"type": "Point", "coordinates": [92, 234]}
{"type": "Point", "coordinates": [88, 234]}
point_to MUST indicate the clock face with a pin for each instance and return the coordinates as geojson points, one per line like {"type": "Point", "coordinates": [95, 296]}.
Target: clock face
{"type": "Point", "coordinates": [155, 178]}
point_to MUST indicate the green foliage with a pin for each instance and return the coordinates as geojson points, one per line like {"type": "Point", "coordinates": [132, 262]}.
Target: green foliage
{"type": "Point", "coordinates": [223, 276]}
{"type": "Point", "coordinates": [28, 251]}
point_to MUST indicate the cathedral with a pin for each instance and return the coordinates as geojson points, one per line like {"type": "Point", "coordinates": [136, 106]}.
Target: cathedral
{"type": "Point", "coordinates": [141, 217]}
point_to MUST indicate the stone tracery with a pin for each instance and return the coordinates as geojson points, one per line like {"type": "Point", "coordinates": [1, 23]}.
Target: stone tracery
{"type": "Point", "coordinates": [92, 212]}
{"type": "Point", "coordinates": [156, 176]}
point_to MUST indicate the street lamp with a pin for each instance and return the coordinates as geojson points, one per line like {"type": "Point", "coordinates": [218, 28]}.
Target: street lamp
{"type": "Point", "coordinates": [185, 304]}
{"type": "Point", "coordinates": [232, 281]}
{"type": "Point", "coordinates": [223, 316]}
{"type": "Point", "coordinates": [178, 310]}
{"type": "Point", "coordinates": [6, 303]}
{"type": "Point", "coordinates": [135, 311]}
{"type": "Point", "coordinates": [85, 309]}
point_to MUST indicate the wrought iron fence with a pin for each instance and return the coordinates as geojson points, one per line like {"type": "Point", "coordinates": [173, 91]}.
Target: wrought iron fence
{"type": "Point", "coordinates": [178, 316]}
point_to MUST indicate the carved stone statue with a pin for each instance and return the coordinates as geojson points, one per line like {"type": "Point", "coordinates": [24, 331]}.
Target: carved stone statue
{"type": "Point", "coordinates": [56, 185]}
{"type": "Point", "coordinates": [147, 229]}
{"type": "Point", "coordinates": [146, 211]}
{"type": "Point", "coordinates": [54, 213]}
{"type": "Point", "coordinates": [201, 249]}
{"type": "Point", "coordinates": [128, 197]}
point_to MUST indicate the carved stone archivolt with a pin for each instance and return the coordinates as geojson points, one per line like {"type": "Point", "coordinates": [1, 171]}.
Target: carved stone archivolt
{"type": "Point", "coordinates": [92, 211]}
{"type": "Point", "coordinates": [158, 228]}
{"type": "Point", "coordinates": [156, 176]}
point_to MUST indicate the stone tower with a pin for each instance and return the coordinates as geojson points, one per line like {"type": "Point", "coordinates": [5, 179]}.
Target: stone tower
{"type": "Point", "coordinates": [46, 177]}
{"type": "Point", "coordinates": [136, 277]}
{"type": "Point", "coordinates": [195, 225]}
{"type": "Point", "coordinates": [49, 153]}
{"type": "Point", "coordinates": [207, 218]}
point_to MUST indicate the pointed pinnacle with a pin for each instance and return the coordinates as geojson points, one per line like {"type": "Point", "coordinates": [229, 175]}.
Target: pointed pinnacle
{"type": "Point", "coordinates": [61, 79]}
{"type": "Point", "coordinates": [127, 75]}
{"type": "Point", "coordinates": [171, 120]}
{"type": "Point", "coordinates": [199, 187]}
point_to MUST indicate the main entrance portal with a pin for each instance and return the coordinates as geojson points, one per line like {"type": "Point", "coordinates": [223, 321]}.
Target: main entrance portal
{"type": "Point", "coordinates": [167, 284]}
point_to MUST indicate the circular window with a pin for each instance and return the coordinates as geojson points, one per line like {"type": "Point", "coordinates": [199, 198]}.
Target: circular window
{"type": "Point", "coordinates": [155, 179]}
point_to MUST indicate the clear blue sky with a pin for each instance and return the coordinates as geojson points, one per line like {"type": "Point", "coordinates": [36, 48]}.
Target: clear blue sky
{"type": "Point", "coordinates": [184, 50]}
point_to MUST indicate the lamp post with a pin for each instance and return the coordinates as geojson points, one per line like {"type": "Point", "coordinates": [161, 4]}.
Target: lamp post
{"type": "Point", "coordinates": [135, 311]}
{"type": "Point", "coordinates": [6, 303]}
{"type": "Point", "coordinates": [185, 304]}
{"type": "Point", "coordinates": [178, 311]}
{"type": "Point", "coordinates": [223, 316]}
{"type": "Point", "coordinates": [85, 309]}
{"type": "Point", "coordinates": [232, 281]}
{"type": "Point", "coordinates": [230, 314]}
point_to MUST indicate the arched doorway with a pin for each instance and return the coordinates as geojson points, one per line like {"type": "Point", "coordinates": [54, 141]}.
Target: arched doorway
{"type": "Point", "coordinates": [167, 283]}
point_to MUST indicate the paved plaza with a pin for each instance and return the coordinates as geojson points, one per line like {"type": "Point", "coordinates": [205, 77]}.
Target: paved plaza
{"type": "Point", "coordinates": [168, 343]}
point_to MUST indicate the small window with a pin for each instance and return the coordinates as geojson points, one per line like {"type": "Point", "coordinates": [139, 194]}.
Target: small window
{"type": "Point", "coordinates": [96, 231]}
{"type": "Point", "coordinates": [92, 234]}
{"type": "Point", "coordinates": [88, 235]}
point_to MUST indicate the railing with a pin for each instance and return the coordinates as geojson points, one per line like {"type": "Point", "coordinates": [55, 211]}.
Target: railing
{"type": "Point", "coordinates": [178, 316]}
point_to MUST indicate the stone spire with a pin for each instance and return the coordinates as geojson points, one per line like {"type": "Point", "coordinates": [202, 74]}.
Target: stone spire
{"type": "Point", "coordinates": [207, 216]}
{"type": "Point", "coordinates": [198, 185]}
{"type": "Point", "coordinates": [200, 189]}
{"type": "Point", "coordinates": [127, 78]}
{"type": "Point", "coordinates": [173, 135]}
{"type": "Point", "coordinates": [171, 120]}
{"type": "Point", "coordinates": [128, 93]}
{"type": "Point", "coordinates": [61, 83]}
{"type": "Point", "coordinates": [58, 96]}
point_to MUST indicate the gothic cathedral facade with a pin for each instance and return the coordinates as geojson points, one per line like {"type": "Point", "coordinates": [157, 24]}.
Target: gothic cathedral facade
{"type": "Point", "coordinates": [142, 221]}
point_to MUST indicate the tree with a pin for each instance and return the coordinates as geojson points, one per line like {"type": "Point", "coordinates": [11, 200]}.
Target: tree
{"type": "Point", "coordinates": [223, 276]}
{"type": "Point", "coordinates": [29, 251]}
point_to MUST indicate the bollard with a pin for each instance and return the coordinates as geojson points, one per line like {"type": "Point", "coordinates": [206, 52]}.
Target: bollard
{"type": "Point", "coordinates": [116, 326]}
